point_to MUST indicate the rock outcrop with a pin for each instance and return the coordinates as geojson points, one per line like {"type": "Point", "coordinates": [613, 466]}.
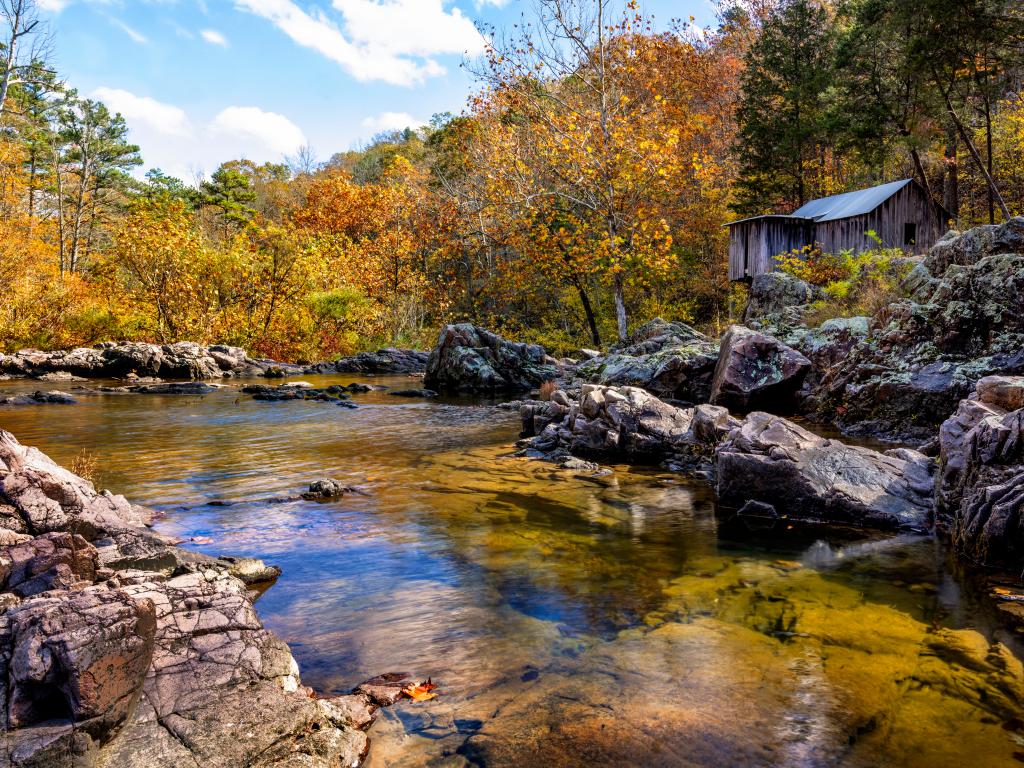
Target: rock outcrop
{"type": "Point", "coordinates": [771, 469]}
{"type": "Point", "coordinates": [622, 423]}
{"type": "Point", "coordinates": [980, 495]}
{"type": "Point", "coordinates": [383, 361]}
{"type": "Point", "coordinates": [923, 355]}
{"type": "Point", "coordinates": [183, 360]}
{"type": "Point", "coordinates": [757, 371]}
{"type": "Point", "coordinates": [778, 300]}
{"type": "Point", "coordinates": [118, 649]}
{"type": "Point", "coordinates": [472, 360]}
{"type": "Point", "coordinates": [668, 359]}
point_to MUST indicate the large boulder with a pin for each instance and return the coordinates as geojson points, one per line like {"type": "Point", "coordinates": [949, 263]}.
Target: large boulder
{"type": "Point", "coordinates": [109, 360]}
{"type": "Point", "coordinates": [668, 359]}
{"type": "Point", "coordinates": [923, 355]}
{"type": "Point", "coordinates": [980, 495]}
{"type": "Point", "coordinates": [121, 650]}
{"type": "Point", "coordinates": [771, 468]}
{"type": "Point", "coordinates": [623, 423]}
{"type": "Point", "coordinates": [757, 371]}
{"type": "Point", "coordinates": [778, 299]}
{"type": "Point", "coordinates": [383, 361]}
{"type": "Point", "coordinates": [470, 359]}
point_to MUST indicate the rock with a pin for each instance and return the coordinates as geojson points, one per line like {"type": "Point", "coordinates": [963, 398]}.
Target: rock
{"type": "Point", "coordinates": [829, 344]}
{"type": "Point", "coordinates": [472, 360]}
{"type": "Point", "coordinates": [304, 391]}
{"type": "Point", "coordinates": [980, 496]}
{"type": "Point", "coordinates": [923, 355]}
{"type": "Point", "coordinates": [778, 299]}
{"type": "Point", "coordinates": [354, 710]}
{"type": "Point", "coordinates": [756, 371]}
{"type": "Point", "coordinates": [807, 478]}
{"type": "Point", "coordinates": [183, 360]}
{"type": "Point", "coordinates": [39, 397]}
{"type": "Point", "coordinates": [383, 361]}
{"type": "Point", "coordinates": [49, 498]}
{"type": "Point", "coordinates": [78, 656]}
{"type": "Point", "coordinates": [50, 561]}
{"type": "Point", "coordinates": [130, 653]}
{"type": "Point", "coordinates": [413, 393]}
{"type": "Point", "coordinates": [326, 490]}
{"type": "Point", "coordinates": [172, 388]}
{"type": "Point", "coordinates": [384, 690]}
{"type": "Point", "coordinates": [670, 360]}
{"type": "Point", "coordinates": [1006, 392]}
{"type": "Point", "coordinates": [624, 423]}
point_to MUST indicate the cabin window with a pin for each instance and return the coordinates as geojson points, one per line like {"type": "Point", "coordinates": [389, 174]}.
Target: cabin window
{"type": "Point", "coordinates": [909, 233]}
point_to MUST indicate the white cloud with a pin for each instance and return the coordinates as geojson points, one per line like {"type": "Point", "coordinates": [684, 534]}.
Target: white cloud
{"type": "Point", "coordinates": [163, 118]}
{"type": "Point", "coordinates": [393, 40]}
{"type": "Point", "coordinates": [192, 147]}
{"type": "Point", "coordinates": [213, 37]}
{"type": "Point", "coordinates": [276, 132]}
{"type": "Point", "coordinates": [53, 6]}
{"type": "Point", "coordinates": [135, 35]}
{"type": "Point", "coordinates": [392, 121]}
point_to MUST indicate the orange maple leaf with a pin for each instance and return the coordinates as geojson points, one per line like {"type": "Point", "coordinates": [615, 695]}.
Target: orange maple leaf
{"type": "Point", "coordinates": [420, 691]}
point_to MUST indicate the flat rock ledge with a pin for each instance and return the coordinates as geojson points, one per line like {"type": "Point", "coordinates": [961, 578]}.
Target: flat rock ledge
{"type": "Point", "coordinates": [120, 650]}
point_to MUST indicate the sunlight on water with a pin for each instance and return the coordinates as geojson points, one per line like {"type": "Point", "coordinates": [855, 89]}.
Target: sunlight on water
{"type": "Point", "coordinates": [570, 620]}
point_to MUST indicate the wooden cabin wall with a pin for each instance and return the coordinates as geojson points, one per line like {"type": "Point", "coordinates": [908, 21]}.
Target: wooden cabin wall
{"type": "Point", "coordinates": [909, 205]}
{"type": "Point", "coordinates": [753, 245]}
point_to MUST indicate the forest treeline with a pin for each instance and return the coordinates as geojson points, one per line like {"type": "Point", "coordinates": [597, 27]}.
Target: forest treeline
{"type": "Point", "coordinates": [582, 190]}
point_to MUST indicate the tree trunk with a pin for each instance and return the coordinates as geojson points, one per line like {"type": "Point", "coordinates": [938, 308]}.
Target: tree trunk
{"type": "Point", "coordinates": [988, 160]}
{"type": "Point", "coordinates": [589, 312]}
{"type": "Point", "coordinates": [951, 185]}
{"type": "Point", "coordinates": [975, 155]}
{"type": "Point", "coordinates": [620, 307]}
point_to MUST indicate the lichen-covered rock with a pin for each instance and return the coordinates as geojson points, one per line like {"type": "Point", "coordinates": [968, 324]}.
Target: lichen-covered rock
{"type": "Point", "coordinates": [771, 467]}
{"type": "Point", "coordinates": [757, 371]}
{"type": "Point", "coordinates": [778, 299]}
{"type": "Point", "coordinates": [383, 361]}
{"type": "Point", "coordinates": [473, 360]}
{"type": "Point", "coordinates": [670, 360]}
{"type": "Point", "coordinates": [39, 397]}
{"type": "Point", "coordinates": [980, 496]}
{"type": "Point", "coordinates": [923, 355]}
{"type": "Point", "coordinates": [183, 360]}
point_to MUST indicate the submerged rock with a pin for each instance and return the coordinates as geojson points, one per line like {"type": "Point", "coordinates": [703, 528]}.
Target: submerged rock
{"type": "Point", "coordinates": [326, 490]}
{"type": "Point", "coordinates": [771, 467]}
{"type": "Point", "coordinates": [39, 397]}
{"type": "Point", "coordinates": [757, 371]}
{"type": "Point", "coordinates": [470, 359]}
{"type": "Point", "coordinates": [670, 360]}
{"type": "Point", "coordinates": [413, 393]}
{"type": "Point", "coordinates": [298, 391]}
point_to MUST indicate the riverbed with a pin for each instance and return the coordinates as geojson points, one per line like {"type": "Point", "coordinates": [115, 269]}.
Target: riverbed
{"type": "Point", "coordinates": [568, 619]}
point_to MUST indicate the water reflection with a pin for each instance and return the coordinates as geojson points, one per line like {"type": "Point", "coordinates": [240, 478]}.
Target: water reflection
{"type": "Point", "coordinates": [571, 620]}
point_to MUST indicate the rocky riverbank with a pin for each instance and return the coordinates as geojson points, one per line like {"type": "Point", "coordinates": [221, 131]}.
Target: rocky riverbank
{"type": "Point", "coordinates": [119, 649]}
{"type": "Point", "coordinates": [191, 362]}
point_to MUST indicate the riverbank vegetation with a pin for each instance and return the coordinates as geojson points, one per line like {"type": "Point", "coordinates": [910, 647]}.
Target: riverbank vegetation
{"type": "Point", "coordinates": [581, 190]}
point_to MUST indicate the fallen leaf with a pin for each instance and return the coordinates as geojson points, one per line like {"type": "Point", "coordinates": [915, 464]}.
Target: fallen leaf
{"type": "Point", "coordinates": [420, 691]}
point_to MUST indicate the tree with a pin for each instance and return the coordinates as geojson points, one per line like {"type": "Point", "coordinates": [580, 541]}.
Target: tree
{"type": "Point", "coordinates": [91, 156]}
{"type": "Point", "coordinates": [783, 141]}
{"type": "Point", "coordinates": [26, 45]}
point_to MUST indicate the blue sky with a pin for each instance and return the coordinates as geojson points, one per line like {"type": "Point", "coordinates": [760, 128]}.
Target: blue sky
{"type": "Point", "coordinates": [203, 81]}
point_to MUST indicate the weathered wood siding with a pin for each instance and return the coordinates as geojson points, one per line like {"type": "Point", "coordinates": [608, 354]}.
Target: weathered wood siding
{"type": "Point", "coordinates": [754, 244]}
{"type": "Point", "coordinates": [908, 206]}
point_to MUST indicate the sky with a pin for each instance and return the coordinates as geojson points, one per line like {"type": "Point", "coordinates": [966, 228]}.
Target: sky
{"type": "Point", "coordinates": [204, 81]}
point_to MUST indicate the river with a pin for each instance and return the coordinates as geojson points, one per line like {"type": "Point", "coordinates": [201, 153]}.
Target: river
{"type": "Point", "coordinates": [568, 620]}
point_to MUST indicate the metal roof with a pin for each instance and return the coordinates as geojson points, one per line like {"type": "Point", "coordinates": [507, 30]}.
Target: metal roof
{"type": "Point", "coordinates": [850, 203]}
{"type": "Point", "coordinates": [768, 216]}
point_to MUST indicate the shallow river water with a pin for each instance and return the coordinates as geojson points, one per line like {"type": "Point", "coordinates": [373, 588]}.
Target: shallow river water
{"type": "Point", "coordinates": [569, 620]}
